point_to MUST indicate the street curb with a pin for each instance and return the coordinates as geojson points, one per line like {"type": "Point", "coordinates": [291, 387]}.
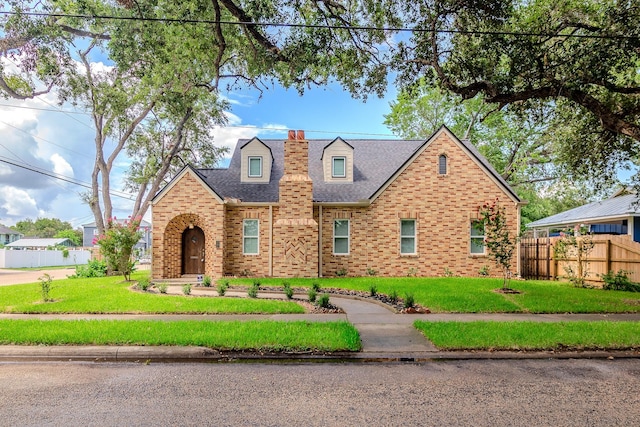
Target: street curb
{"type": "Point", "coordinates": [166, 354]}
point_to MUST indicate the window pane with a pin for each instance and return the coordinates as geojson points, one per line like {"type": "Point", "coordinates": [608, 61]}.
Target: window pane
{"type": "Point", "coordinates": [408, 227]}
{"type": "Point", "coordinates": [251, 227]}
{"type": "Point", "coordinates": [255, 166]}
{"type": "Point", "coordinates": [408, 245]}
{"type": "Point", "coordinates": [477, 245]}
{"type": "Point", "coordinates": [341, 228]}
{"type": "Point", "coordinates": [341, 245]}
{"type": "Point", "coordinates": [339, 166]}
{"type": "Point", "coordinates": [250, 245]}
{"type": "Point", "coordinates": [477, 228]}
{"type": "Point", "coordinates": [442, 164]}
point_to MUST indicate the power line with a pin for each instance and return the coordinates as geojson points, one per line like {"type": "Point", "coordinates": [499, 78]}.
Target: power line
{"type": "Point", "coordinates": [57, 176]}
{"type": "Point", "coordinates": [319, 26]}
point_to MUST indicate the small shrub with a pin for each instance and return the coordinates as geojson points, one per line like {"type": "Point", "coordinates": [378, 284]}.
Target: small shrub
{"type": "Point", "coordinates": [222, 288]}
{"type": "Point", "coordinates": [143, 284]}
{"type": "Point", "coordinates": [288, 291]}
{"type": "Point", "coordinates": [448, 273]}
{"type": "Point", "coordinates": [619, 282]}
{"type": "Point", "coordinates": [253, 290]}
{"type": "Point", "coordinates": [45, 287]}
{"type": "Point", "coordinates": [342, 272]}
{"type": "Point", "coordinates": [373, 290]}
{"type": "Point", "coordinates": [323, 301]}
{"type": "Point", "coordinates": [65, 253]}
{"type": "Point", "coordinates": [162, 287]}
{"type": "Point", "coordinates": [206, 281]}
{"type": "Point", "coordinates": [312, 295]}
{"type": "Point", "coordinates": [94, 268]}
{"type": "Point", "coordinates": [412, 272]}
{"type": "Point", "coordinates": [315, 286]}
{"type": "Point", "coordinates": [409, 300]}
{"type": "Point", "coordinates": [371, 272]}
{"type": "Point", "coordinates": [186, 289]}
{"type": "Point", "coordinates": [393, 296]}
{"type": "Point", "coordinates": [484, 270]}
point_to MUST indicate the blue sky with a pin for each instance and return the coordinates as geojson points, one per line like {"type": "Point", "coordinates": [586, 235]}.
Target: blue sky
{"type": "Point", "coordinates": [37, 134]}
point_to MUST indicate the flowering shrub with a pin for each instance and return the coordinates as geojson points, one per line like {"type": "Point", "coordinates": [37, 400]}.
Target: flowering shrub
{"type": "Point", "coordinates": [116, 245]}
{"type": "Point", "coordinates": [497, 237]}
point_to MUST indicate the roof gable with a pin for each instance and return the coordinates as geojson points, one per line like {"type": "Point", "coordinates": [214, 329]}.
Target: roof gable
{"type": "Point", "coordinates": [196, 175]}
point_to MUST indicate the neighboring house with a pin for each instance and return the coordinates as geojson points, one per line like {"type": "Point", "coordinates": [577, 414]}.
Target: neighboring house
{"type": "Point", "coordinates": [35, 243]}
{"type": "Point", "coordinates": [90, 233]}
{"type": "Point", "coordinates": [300, 208]}
{"type": "Point", "coordinates": [620, 214]}
{"type": "Point", "coordinates": [8, 235]}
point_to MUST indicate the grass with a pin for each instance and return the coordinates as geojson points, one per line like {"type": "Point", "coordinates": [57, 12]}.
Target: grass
{"type": "Point", "coordinates": [531, 335]}
{"type": "Point", "coordinates": [112, 295]}
{"type": "Point", "coordinates": [233, 335]}
{"type": "Point", "coordinates": [476, 295]}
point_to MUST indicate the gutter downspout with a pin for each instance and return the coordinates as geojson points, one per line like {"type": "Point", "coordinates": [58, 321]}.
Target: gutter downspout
{"type": "Point", "coordinates": [270, 240]}
{"type": "Point", "coordinates": [320, 241]}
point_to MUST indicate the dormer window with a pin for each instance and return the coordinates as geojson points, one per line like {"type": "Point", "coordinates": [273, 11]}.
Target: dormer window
{"type": "Point", "coordinates": [255, 167]}
{"type": "Point", "coordinates": [442, 164]}
{"type": "Point", "coordinates": [338, 167]}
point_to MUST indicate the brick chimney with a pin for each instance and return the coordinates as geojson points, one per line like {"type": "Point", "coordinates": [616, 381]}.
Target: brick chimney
{"type": "Point", "coordinates": [295, 232]}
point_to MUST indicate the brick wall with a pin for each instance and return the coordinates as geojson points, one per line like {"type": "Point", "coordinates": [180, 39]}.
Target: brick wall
{"type": "Point", "coordinates": [187, 202]}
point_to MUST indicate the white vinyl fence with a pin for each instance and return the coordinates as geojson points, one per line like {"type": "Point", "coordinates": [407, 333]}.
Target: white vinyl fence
{"type": "Point", "coordinates": [44, 258]}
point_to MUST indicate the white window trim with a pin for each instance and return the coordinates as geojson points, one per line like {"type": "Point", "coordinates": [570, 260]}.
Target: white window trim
{"type": "Point", "coordinates": [249, 166]}
{"type": "Point", "coordinates": [414, 236]}
{"type": "Point", "coordinates": [348, 237]}
{"type": "Point", "coordinates": [473, 236]}
{"type": "Point", "coordinates": [333, 169]}
{"type": "Point", "coordinates": [244, 237]}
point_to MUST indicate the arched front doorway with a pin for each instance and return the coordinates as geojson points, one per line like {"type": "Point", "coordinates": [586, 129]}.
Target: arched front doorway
{"type": "Point", "coordinates": [193, 251]}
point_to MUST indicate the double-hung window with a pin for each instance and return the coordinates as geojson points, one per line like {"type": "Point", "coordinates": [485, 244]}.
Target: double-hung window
{"type": "Point", "coordinates": [255, 167]}
{"type": "Point", "coordinates": [408, 237]}
{"type": "Point", "coordinates": [338, 167]}
{"type": "Point", "coordinates": [341, 237]}
{"type": "Point", "coordinates": [250, 236]}
{"type": "Point", "coordinates": [477, 237]}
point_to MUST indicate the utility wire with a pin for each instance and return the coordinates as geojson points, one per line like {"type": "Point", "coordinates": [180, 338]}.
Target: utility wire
{"type": "Point", "coordinates": [318, 26]}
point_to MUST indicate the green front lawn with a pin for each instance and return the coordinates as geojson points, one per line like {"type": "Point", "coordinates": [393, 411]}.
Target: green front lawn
{"type": "Point", "coordinates": [252, 335]}
{"type": "Point", "coordinates": [477, 295]}
{"type": "Point", "coordinates": [531, 335]}
{"type": "Point", "coordinates": [112, 295]}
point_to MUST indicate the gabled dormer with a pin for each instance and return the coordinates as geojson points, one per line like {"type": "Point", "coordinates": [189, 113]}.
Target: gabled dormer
{"type": "Point", "coordinates": [256, 161]}
{"type": "Point", "coordinates": [337, 162]}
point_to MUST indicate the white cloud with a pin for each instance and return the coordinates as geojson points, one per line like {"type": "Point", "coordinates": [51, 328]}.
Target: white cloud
{"type": "Point", "coordinates": [61, 166]}
{"type": "Point", "coordinates": [18, 203]}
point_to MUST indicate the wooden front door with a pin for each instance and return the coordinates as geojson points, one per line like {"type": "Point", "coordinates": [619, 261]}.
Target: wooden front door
{"type": "Point", "coordinates": [193, 251]}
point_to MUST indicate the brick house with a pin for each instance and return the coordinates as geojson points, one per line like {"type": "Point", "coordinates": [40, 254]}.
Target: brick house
{"type": "Point", "coordinates": [313, 208]}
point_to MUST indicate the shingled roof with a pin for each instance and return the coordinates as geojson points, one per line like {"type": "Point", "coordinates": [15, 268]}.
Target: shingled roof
{"type": "Point", "coordinates": [376, 161]}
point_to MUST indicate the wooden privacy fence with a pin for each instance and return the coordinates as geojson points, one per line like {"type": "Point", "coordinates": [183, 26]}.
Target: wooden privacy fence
{"type": "Point", "coordinates": [610, 253]}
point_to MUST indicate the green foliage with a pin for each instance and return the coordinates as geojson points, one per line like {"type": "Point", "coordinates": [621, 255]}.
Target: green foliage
{"type": "Point", "coordinates": [575, 245]}
{"type": "Point", "coordinates": [143, 284]}
{"type": "Point", "coordinates": [45, 287]}
{"type": "Point", "coordinates": [619, 282]}
{"type": "Point", "coordinates": [315, 286]}
{"type": "Point", "coordinates": [341, 272]}
{"type": "Point", "coordinates": [312, 294]}
{"type": "Point", "coordinates": [162, 287]}
{"type": "Point", "coordinates": [116, 245]}
{"type": "Point", "coordinates": [252, 292]}
{"type": "Point", "coordinates": [412, 272]}
{"type": "Point", "coordinates": [186, 289]}
{"type": "Point", "coordinates": [371, 272]}
{"type": "Point", "coordinates": [498, 239]}
{"type": "Point", "coordinates": [74, 235]}
{"type": "Point", "coordinates": [288, 290]}
{"type": "Point", "coordinates": [409, 300]}
{"type": "Point", "coordinates": [448, 272]}
{"type": "Point", "coordinates": [393, 296]}
{"type": "Point", "coordinates": [94, 268]}
{"type": "Point", "coordinates": [373, 290]}
{"type": "Point", "coordinates": [47, 228]}
{"type": "Point", "coordinates": [323, 301]}
{"type": "Point", "coordinates": [206, 281]}
{"type": "Point", "coordinates": [222, 287]}
{"type": "Point", "coordinates": [484, 270]}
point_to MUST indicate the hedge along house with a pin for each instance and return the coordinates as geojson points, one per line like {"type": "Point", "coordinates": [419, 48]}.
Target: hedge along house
{"type": "Point", "coordinates": [300, 208]}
